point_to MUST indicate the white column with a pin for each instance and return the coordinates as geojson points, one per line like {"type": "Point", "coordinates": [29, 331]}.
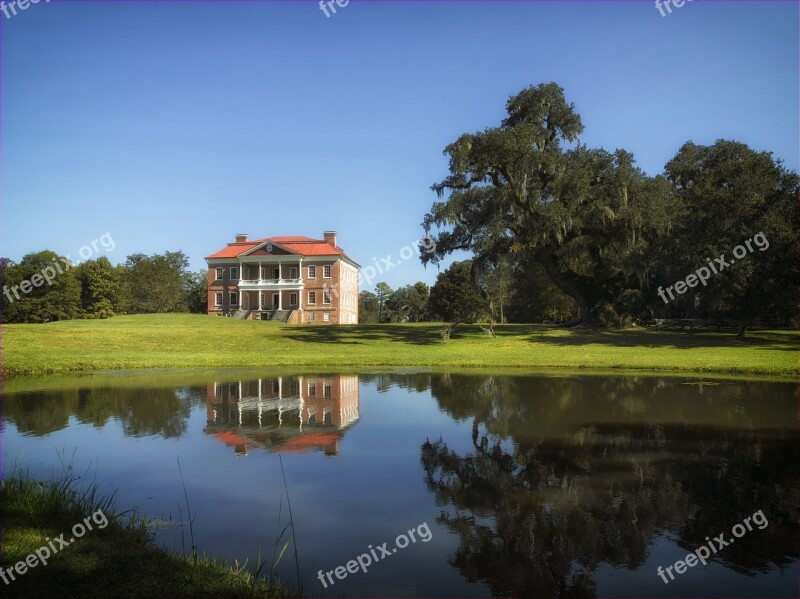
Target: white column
{"type": "Point", "coordinates": [302, 402]}
{"type": "Point", "coordinates": [280, 300]}
{"type": "Point", "coordinates": [300, 292]}
{"type": "Point", "coordinates": [260, 301]}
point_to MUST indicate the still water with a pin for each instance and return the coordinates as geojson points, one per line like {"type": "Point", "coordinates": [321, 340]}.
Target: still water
{"type": "Point", "coordinates": [514, 486]}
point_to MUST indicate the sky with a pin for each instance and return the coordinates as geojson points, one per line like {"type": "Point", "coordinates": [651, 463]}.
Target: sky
{"type": "Point", "coordinates": [175, 125]}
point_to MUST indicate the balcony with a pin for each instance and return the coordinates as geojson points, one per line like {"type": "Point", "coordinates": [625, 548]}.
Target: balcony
{"type": "Point", "coordinates": [270, 284]}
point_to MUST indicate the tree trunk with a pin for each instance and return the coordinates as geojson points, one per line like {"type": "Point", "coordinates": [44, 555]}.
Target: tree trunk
{"type": "Point", "coordinates": [742, 330]}
{"type": "Point", "coordinates": [545, 258]}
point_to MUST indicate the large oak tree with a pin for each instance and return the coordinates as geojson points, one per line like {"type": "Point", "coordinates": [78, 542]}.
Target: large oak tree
{"type": "Point", "coordinates": [529, 188]}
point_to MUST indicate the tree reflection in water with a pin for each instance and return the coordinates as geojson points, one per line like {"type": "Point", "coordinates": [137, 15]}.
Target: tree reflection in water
{"type": "Point", "coordinates": [565, 474]}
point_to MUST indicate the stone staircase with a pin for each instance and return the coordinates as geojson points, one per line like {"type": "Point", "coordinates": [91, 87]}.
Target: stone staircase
{"type": "Point", "coordinates": [277, 315]}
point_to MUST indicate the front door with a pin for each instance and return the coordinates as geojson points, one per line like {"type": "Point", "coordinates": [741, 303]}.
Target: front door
{"type": "Point", "coordinates": [275, 301]}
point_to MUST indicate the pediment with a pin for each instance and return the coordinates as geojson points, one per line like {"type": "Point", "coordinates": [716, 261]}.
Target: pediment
{"type": "Point", "coordinates": [269, 248]}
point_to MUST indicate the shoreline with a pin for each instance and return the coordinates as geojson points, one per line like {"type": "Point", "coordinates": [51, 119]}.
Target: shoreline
{"type": "Point", "coordinates": [118, 556]}
{"type": "Point", "coordinates": [145, 378]}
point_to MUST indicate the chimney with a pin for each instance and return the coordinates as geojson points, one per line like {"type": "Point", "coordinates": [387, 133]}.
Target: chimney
{"type": "Point", "coordinates": [241, 237]}
{"type": "Point", "coordinates": [330, 237]}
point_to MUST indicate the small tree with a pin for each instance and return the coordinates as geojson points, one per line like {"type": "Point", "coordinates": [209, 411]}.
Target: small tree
{"type": "Point", "coordinates": [382, 292]}
{"type": "Point", "coordinates": [368, 308]}
{"type": "Point", "coordinates": [454, 299]}
{"type": "Point", "coordinates": [407, 304]}
{"type": "Point", "coordinates": [100, 285]}
{"type": "Point", "coordinates": [197, 291]}
{"type": "Point", "coordinates": [158, 283]}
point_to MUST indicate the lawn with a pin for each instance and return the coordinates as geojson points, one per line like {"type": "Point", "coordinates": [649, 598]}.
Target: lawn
{"type": "Point", "coordinates": [167, 341]}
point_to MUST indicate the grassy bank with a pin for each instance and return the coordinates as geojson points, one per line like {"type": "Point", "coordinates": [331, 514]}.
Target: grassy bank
{"type": "Point", "coordinates": [196, 341]}
{"type": "Point", "coordinates": [116, 558]}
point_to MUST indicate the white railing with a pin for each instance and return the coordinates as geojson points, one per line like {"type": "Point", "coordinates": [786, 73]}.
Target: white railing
{"type": "Point", "coordinates": [254, 282]}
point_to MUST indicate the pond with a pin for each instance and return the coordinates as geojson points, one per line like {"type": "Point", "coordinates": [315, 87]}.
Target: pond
{"type": "Point", "coordinates": [449, 485]}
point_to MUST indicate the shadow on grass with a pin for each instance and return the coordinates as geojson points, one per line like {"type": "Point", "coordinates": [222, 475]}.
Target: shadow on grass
{"type": "Point", "coordinates": [359, 334]}
{"type": "Point", "coordinates": [771, 340]}
{"type": "Point", "coordinates": [426, 334]}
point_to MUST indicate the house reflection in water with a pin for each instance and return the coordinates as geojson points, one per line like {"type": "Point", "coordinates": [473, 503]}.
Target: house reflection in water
{"type": "Point", "coordinates": [284, 414]}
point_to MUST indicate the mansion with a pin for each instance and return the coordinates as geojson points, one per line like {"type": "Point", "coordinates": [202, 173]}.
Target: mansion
{"type": "Point", "coordinates": [291, 279]}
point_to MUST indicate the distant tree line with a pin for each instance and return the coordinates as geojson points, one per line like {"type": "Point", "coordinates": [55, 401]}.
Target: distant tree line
{"type": "Point", "coordinates": [405, 304]}
{"type": "Point", "coordinates": [502, 294]}
{"type": "Point", "coordinates": [559, 231]}
{"type": "Point", "coordinates": [44, 287]}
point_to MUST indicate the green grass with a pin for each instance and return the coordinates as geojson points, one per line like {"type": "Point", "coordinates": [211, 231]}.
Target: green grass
{"type": "Point", "coordinates": [117, 560]}
{"type": "Point", "coordinates": [196, 341]}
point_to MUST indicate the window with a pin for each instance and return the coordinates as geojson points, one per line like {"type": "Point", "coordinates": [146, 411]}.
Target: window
{"type": "Point", "coordinates": [326, 271]}
{"type": "Point", "coordinates": [234, 299]}
{"type": "Point", "coordinates": [312, 298]}
{"type": "Point", "coordinates": [312, 389]}
{"type": "Point", "coordinates": [327, 390]}
{"type": "Point", "coordinates": [326, 297]}
{"type": "Point", "coordinates": [293, 299]}
{"type": "Point", "coordinates": [326, 317]}
{"type": "Point", "coordinates": [312, 272]}
{"type": "Point", "coordinates": [310, 317]}
{"type": "Point", "coordinates": [234, 273]}
{"type": "Point", "coordinates": [293, 272]}
{"type": "Point", "coordinates": [219, 273]}
{"type": "Point", "coordinates": [218, 299]}
{"type": "Point", "coordinates": [326, 418]}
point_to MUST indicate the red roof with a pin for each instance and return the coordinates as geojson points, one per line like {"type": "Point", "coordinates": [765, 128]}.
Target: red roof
{"type": "Point", "coordinates": [231, 438]}
{"type": "Point", "coordinates": [309, 441]}
{"type": "Point", "coordinates": [304, 246]}
{"type": "Point", "coordinates": [234, 249]}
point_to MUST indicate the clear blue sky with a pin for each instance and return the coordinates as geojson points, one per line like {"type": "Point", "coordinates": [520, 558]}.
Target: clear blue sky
{"type": "Point", "coordinates": [176, 125]}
